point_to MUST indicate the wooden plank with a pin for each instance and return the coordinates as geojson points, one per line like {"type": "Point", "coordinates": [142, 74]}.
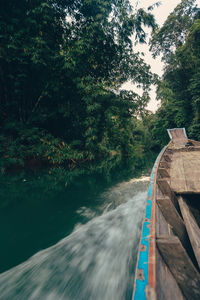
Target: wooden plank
{"type": "Point", "coordinates": [180, 265]}
{"type": "Point", "coordinates": [164, 164]}
{"type": "Point", "coordinates": [191, 226]}
{"type": "Point", "coordinates": [186, 149]}
{"type": "Point", "coordinates": [173, 218]}
{"type": "Point", "coordinates": [196, 143]}
{"type": "Point", "coordinates": [164, 187]}
{"type": "Point", "coordinates": [166, 190]}
{"type": "Point", "coordinates": [167, 158]}
{"type": "Point", "coordinates": [163, 173]}
{"type": "Point", "coordinates": [191, 169]}
{"type": "Point", "coordinates": [185, 172]}
{"type": "Point", "coordinates": [169, 151]}
{"type": "Point", "coordinates": [178, 136]}
{"type": "Point", "coordinates": [177, 173]}
{"type": "Point", "coordinates": [162, 227]}
{"type": "Point", "coordinates": [167, 287]}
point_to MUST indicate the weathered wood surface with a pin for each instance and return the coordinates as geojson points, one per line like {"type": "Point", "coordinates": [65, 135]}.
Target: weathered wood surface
{"type": "Point", "coordinates": [178, 136]}
{"type": "Point", "coordinates": [192, 228]}
{"type": "Point", "coordinates": [165, 190]}
{"type": "Point", "coordinates": [164, 187]}
{"type": "Point", "coordinates": [167, 158]}
{"type": "Point", "coordinates": [164, 278]}
{"type": "Point", "coordinates": [185, 149]}
{"type": "Point", "coordinates": [163, 173]}
{"type": "Point", "coordinates": [162, 227]}
{"type": "Point", "coordinates": [178, 172]}
{"type": "Point", "coordinates": [180, 265]}
{"type": "Point", "coordinates": [164, 164]}
{"type": "Point", "coordinates": [173, 218]}
{"type": "Point", "coordinates": [167, 287]}
{"type": "Point", "coordinates": [195, 143]}
{"type": "Point", "coordinates": [185, 172]}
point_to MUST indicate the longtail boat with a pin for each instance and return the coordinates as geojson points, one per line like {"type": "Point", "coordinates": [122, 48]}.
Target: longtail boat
{"type": "Point", "coordinates": [168, 264]}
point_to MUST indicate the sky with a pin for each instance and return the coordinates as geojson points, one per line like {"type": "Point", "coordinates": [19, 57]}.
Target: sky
{"type": "Point", "coordinates": [161, 13]}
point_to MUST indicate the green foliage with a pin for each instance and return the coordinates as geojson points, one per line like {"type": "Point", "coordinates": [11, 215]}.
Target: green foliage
{"type": "Point", "coordinates": [61, 66]}
{"type": "Point", "coordinates": [179, 89]}
{"type": "Point", "coordinates": [174, 32]}
{"type": "Point", "coordinates": [21, 146]}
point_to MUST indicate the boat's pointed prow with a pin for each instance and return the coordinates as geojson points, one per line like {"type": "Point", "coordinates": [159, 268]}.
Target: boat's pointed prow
{"type": "Point", "coordinates": [168, 259]}
{"type": "Point", "coordinates": [178, 136]}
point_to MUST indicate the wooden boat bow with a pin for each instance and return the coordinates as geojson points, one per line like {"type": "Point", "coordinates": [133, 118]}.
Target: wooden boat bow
{"type": "Point", "coordinates": [169, 252]}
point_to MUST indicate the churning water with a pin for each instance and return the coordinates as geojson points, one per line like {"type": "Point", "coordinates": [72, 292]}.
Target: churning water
{"type": "Point", "coordinates": [96, 261]}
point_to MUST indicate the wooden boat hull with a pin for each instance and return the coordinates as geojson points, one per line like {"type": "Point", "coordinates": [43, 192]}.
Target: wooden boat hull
{"type": "Point", "coordinates": [169, 251]}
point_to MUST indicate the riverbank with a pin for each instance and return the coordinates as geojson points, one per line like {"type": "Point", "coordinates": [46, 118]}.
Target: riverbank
{"type": "Point", "coordinates": [23, 148]}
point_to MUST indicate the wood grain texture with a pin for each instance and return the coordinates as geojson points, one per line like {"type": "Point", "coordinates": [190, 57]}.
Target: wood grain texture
{"type": "Point", "coordinates": [181, 161]}
{"type": "Point", "coordinates": [185, 172]}
{"type": "Point", "coordinates": [164, 187]}
{"type": "Point", "coordinates": [185, 149]}
{"type": "Point", "coordinates": [178, 136]}
{"type": "Point", "coordinates": [163, 173]}
{"type": "Point", "coordinates": [173, 218]}
{"type": "Point", "coordinates": [167, 287]}
{"type": "Point", "coordinates": [180, 265]}
{"type": "Point", "coordinates": [167, 158]}
{"type": "Point", "coordinates": [162, 227]}
{"type": "Point", "coordinates": [195, 143]}
{"type": "Point", "coordinates": [164, 164]}
{"type": "Point", "coordinates": [191, 226]}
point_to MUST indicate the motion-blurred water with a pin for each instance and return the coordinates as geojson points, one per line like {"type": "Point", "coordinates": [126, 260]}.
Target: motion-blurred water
{"type": "Point", "coordinates": [96, 261]}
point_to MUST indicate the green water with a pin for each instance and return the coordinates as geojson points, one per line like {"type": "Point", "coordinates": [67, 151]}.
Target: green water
{"type": "Point", "coordinates": [39, 209]}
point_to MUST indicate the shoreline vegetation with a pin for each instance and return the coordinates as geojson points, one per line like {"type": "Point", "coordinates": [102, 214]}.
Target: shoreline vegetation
{"type": "Point", "coordinates": [34, 149]}
{"type": "Point", "coordinates": [61, 67]}
{"type": "Point", "coordinates": [62, 64]}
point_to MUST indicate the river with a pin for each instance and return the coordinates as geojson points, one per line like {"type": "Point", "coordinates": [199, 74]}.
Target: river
{"type": "Point", "coordinates": [69, 242]}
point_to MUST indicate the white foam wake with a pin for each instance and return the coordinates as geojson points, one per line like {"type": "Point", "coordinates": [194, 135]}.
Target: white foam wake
{"type": "Point", "coordinates": [95, 262]}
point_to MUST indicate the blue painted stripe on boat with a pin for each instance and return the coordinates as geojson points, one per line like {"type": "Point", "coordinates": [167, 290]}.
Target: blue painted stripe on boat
{"type": "Point", "coordinates": [143, 260]}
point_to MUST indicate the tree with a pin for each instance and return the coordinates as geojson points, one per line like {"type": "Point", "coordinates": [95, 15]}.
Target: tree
{"type": "Point", "coordinates": [179, 90]}
{"type": "Point", "coordinates": [174, 31]}
{"type": "Point", "coordinates": [61, 65]}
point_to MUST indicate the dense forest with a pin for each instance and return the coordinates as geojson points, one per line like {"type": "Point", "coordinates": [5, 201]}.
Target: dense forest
{"type": "Point", "coordinates": [61, 66]}
{"type": "Point", "coordinates": [62, 63]}
{"type": "Point", "coordinates": [178, 41]}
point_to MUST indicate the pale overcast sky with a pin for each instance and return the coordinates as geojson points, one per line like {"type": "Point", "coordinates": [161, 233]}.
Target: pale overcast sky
{"type": "Point", "coordinates": [161, 13]}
